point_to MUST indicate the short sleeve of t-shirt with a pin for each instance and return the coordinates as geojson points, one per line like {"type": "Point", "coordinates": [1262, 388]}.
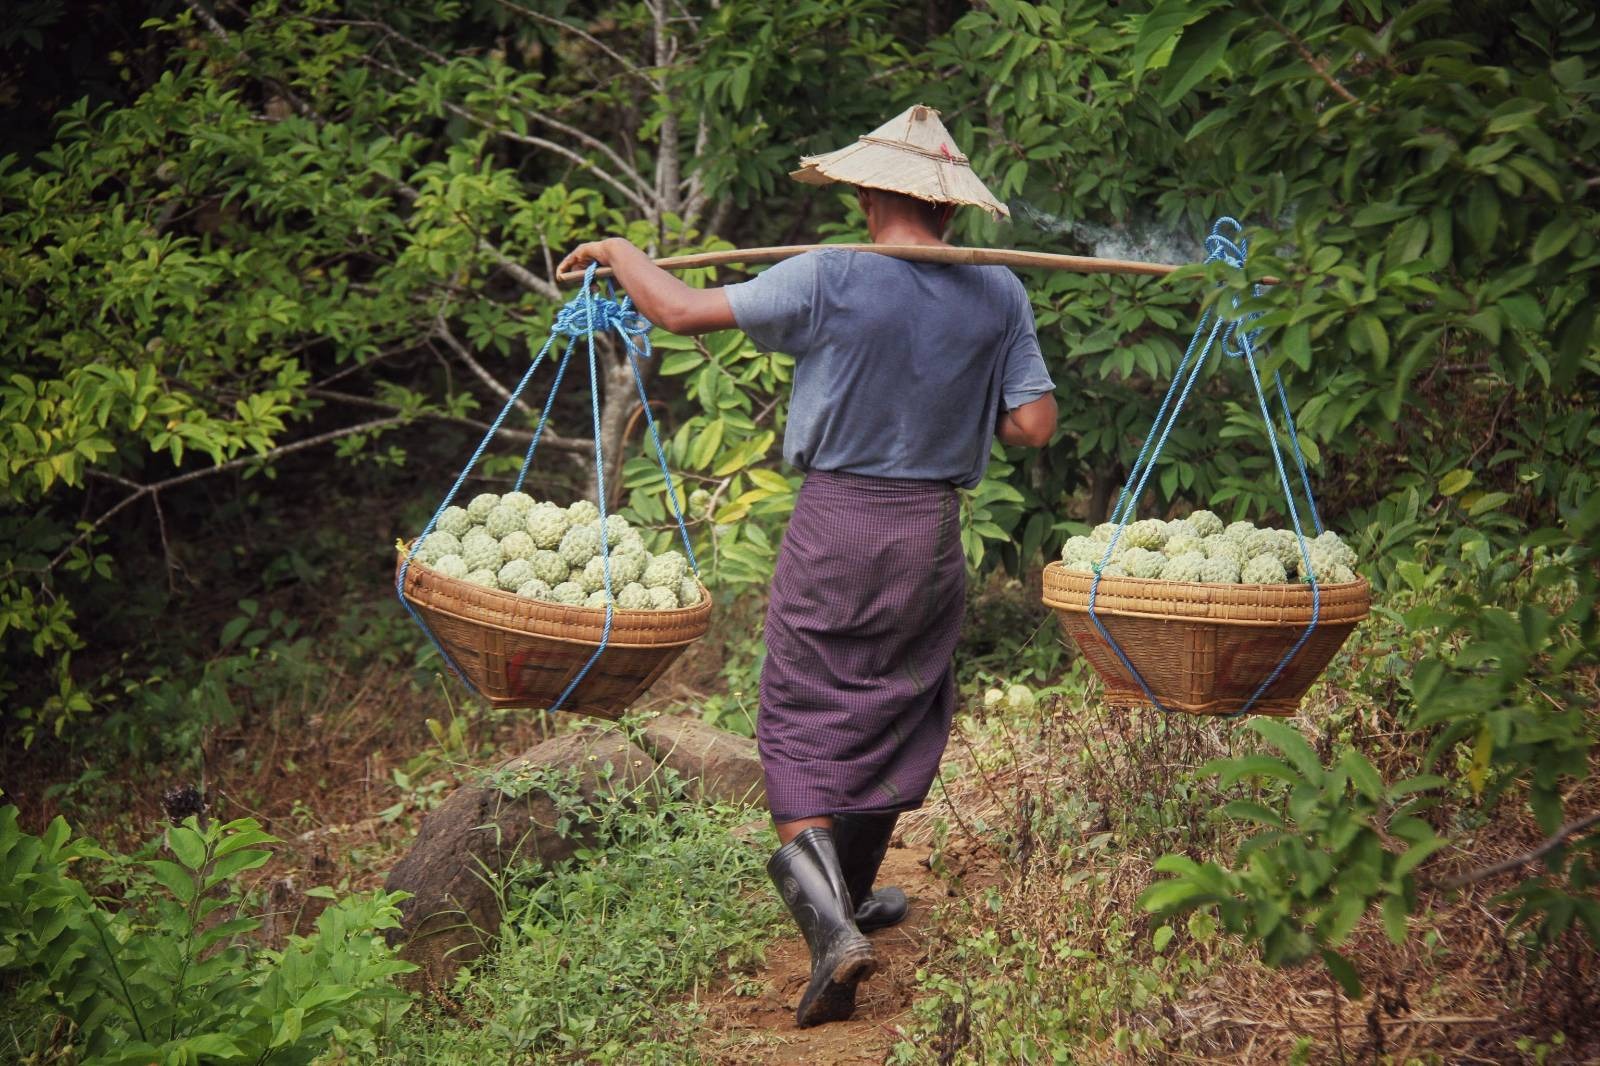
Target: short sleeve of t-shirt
{"type": "Point", "coordinates": [1023, 376]}
{"type": "Point", "coordinates": [777, 307]}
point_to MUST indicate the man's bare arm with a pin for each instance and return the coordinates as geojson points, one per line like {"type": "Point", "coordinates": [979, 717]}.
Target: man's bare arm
{"type": "Point", "coordinates": [660, 297]}
{"type": "Point", "coordinates": [1031, 425]}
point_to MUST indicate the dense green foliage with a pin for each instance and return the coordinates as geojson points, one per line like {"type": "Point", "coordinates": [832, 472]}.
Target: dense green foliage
{"type": "Point", "coordinates": [328, 226]}
{"type": "Point", "coordinates": [168, 973]}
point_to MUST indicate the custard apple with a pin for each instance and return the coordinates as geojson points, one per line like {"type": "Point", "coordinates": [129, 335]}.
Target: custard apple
{"type": "Point", "coordinates": [1150, 533]}
{"type": "Point", "coordinates": [547, 525]}
{"type": "Point", "coordinates": [503, 520]}
{"type": "Point", "coordinates": [1103, 531]}
{"type": "Point", "coordinates": [1268, 542]}
{"type": "Point", "coordinates": [549, 567]}
{"type": "Point", "coordinates": [1239, 530]}
{"type": "Point", "coordinates": [1141, 562]}
{"type": "Point", "coordinates": [580, 545]}
{"type": "Point", "coordinates": [1205, 523]}
{"type": "Point", "coordinates": [1264, 569]}
{"type": "Point", "coordinates": [593, 575]}
{"type": "Point", "coordinates": [517, 545]}
{"type": "Point", "coordinates": [437, 546]}
{"type": "Point", "coordinates": [1183, 567]}
{"type": "Point", "coordinates": [634, 597]}
{"type": "Point", "coordinates": [1220, 570]}
{"type": "Point", "coordinates": [514, 574]}
{"type": "Point", "coordinates": [454, 521]}
{"type": "Point", "coordinates": [616, 528]}
{"type": "Point", "coordinates": [688, 592]}
{"type": "Point", "coordinates": [534, 589]}
{"type": "Point", "coordinates": [665, 570]}
{"type": "Point", "coordinates": [518, 501]}
{"type": "Point", "coordinates": [482, 552]}
{"type": "Point", "coordinates": [632, 542]}
{"type": "Point", "coordinates": [1181, 527]}
{"type": "Point", "coordinates": [699, 500]}
{"type": "Point", "coordinates": [1115, 569]}
{"type": "Point", "coordinates": [662, 599]}
{"type": "Point", "coordinates": [1339, 574]}
{"type": "Point", "coordinates": [582, 512]}
{"type": "Point", "coordinates": [1222, 546]}
{"type": "Point", "coordinates": [481, 505]}
{"type": "Point", "coordinates": [1083, 550]}
{"type": "Point", "coordinates": [627, 566]}
{"type": "Point", "coordinates": [1183, 544]}
{"type": "Point", "coordinates": [1340, 552]}
{"type": "Point", "coordinates": [597, 598]}
{"type": "Point", "coordinates": [568, 592]}
{"type": "Point", "coordinates": [452, 566]}
{"type": "Point", "coordinates": [485, 577]}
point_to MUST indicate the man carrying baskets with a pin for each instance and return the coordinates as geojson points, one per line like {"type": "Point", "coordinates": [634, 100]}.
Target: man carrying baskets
{"type": "Point", "coordinates": [903, 373]}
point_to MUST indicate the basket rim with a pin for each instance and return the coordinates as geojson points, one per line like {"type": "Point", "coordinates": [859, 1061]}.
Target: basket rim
{"type": "Point", "coordinates": [1241, 605]}
{"type": "Point", "coordinates": [562, 622]}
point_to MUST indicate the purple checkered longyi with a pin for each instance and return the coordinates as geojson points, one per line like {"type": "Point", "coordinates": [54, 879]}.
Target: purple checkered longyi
{"type": "Point", "coordinates": [858, 688]}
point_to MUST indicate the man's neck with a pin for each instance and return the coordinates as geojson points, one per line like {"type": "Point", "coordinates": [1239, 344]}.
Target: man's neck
{"type": "Point", "coordinates": [907, 234]}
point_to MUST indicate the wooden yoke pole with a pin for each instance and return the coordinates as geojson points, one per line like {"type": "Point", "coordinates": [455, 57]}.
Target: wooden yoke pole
{"type": "Point", "coordinates": [918, 253]}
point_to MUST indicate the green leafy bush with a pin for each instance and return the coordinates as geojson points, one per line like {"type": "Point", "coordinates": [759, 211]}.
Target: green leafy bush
{"type": "Point", "coordinates": [164, 972]}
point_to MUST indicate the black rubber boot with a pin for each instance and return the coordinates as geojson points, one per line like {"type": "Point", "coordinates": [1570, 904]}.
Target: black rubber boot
{"type": "Point", "coordinates": [806, 871]}
{"type": "Point", "coordinates": [862, 841]}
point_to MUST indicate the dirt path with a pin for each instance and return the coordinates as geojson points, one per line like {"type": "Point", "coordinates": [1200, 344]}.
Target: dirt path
{"type": "Point", "coordinates": [752, 1021]}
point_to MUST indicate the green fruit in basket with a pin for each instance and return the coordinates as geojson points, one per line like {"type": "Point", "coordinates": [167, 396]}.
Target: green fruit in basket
{"type": "Point", "coordinates": [582, 512]}
{"type": "Point", "coordinates": [549, 567]}
{"type": "Point", "coordinates": [1338, 574]}
{"type": "Point", "coordinates": [633, 543]}
{"type": "Point", "coordinates": [627, 566]}
{"type": "Point", "coordinates": [634, 597]}
{"type": "Point", "coordinates": [688, 592]}
{"type": "Point", "coordinates": [547, 524]}
{"type": "Point", "coordinates": [454, 521]}
{"type": "Point", "coordinates": [514, 574]}
{"type": "Point", "coordinates": [664, 599]}
{"type": "Point", "coordinates": [1142, 562]}
{"type": "Point", "coordinates": [451, 566]}
{"type": "Point", "coordinates": [436, 546]}
{"type": "Point", "coordinates": [519, 501]}
{"type": "Point", "coordinates": [505, 520]}
{"type": "Point", "coordinates": [597, 598]}
{"type": "Point", "coordinates": [517, 545]}
{"type": "Point", "coordinates": [485, 577]}
{"type": "Point", "coordinates": [568, 592]}
{"type": "Point", "coordinates": [1269, 542]}
{"type": "Point", "coordinates": [1239, 531]}
{"type": "Point", "coordinates": [1183, 567]}
{"type": "Point", "coordinates": [1180, 527]}
{"type": "Point", "coordinates": [1205, 523]}
{"type": "Point", "coordinates": [1338, 550]}
{"type": "Point", "coordinates": [1114, 569]}
{"type": "Point", "coordinates": [1151, 533]}
{"type": "Point", "coordinates": [1103, 531]}
{"type": "Point", "coordinates": [534, 589]}
{"type": "Point", "coordinates": [1222, 546]}
{"type": "Point", "coordinates": [665, 571]}
{"type": "Point", "coordinates": [1183, 544]}
{"type": "Point", "coordinates": [580, 545]}
{"type": "Point", "coordinates": [1083, 550]}
{"type": "Point", "coordinates": [1264, 569]}
{"type": "Point", "coordinates": [1221, 570]}
{"type": "Point", "coordinates": [616, 528]}
{"type": "Point", "coordinates": [482, 552]}
{"type": "Point", "coordinates": [593, 575]}
{"type": "Point", "coordinates": [481, 505]}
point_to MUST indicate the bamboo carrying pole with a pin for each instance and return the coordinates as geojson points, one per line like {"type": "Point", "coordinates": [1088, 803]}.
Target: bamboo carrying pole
{"type": "Point", "coordinates": [919, 253]}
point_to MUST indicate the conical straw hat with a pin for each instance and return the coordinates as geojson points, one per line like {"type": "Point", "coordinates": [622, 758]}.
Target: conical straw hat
{"type": "Point", "coordinates": [913, 154]}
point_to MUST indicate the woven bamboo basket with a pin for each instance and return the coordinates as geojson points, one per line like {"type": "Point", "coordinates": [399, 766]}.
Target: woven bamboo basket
{"type": "Point", "coordinates": [519, 652]}
{"type": "Point", "coordinates": [1204, 648]}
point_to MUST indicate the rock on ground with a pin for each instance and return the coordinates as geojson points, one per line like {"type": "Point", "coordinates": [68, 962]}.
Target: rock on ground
{"type": "Point", "coordinates": [483, 828]}
{"type": "Point", "coordinates": [717, 766]}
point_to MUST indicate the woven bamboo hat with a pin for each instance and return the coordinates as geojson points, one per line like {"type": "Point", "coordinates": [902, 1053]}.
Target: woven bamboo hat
{"type": "Point", "coordinates": [913, 154]}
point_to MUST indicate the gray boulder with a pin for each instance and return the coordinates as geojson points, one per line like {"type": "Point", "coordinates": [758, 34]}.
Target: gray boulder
{"type": "Point", "coordinates": [717, 766]}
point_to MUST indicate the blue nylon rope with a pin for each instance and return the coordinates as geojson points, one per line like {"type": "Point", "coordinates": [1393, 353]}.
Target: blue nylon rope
{"type": "Point", "coordinates": [583, 316]}
{"type": "Point", "coordinates": [1236, 343]}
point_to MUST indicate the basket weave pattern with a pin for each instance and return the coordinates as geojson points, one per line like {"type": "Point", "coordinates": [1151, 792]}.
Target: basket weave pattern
{"type": "Point", "coordinates": [1204, 648]}
{"type": "Point", "coordinates": [520, 652]}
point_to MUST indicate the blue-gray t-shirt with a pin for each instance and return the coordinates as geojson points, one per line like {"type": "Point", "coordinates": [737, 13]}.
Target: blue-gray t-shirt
{"type": "Point", "coordinates": [901, 368]}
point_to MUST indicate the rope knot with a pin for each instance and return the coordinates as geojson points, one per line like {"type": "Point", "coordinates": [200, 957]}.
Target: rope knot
{"type": "Point", "coordinates": [589, 313]}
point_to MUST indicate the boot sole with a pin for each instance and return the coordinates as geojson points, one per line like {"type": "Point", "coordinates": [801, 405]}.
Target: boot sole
{"type": "Point", "coordinates": [836, 1000]}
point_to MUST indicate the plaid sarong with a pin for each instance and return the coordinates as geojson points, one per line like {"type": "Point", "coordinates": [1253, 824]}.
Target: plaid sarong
{"type": "Point", "coordinates": [858, 687]}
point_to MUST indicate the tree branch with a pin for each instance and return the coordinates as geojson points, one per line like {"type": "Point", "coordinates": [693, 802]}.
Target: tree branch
{"type": "Point", "coordinates": [1551, 843]}
{"type": "Point", "coordinates": [1316, 63]}
{"type": "Point", "coordinates": [477, 368]}
{"type": "Point", "coordinates": [549, 438]}
{"type": "Point", "coordinates": [142, 491]}
{"type": "Point", "coordinates": [628, 65]}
